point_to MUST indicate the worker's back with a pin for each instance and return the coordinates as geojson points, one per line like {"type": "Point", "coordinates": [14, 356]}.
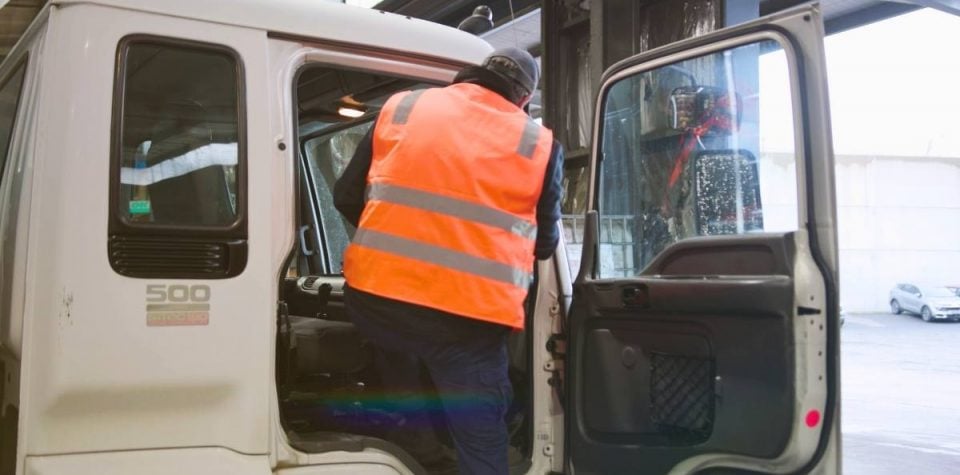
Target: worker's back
{"type": "Point", "coordinates": [456, 172]}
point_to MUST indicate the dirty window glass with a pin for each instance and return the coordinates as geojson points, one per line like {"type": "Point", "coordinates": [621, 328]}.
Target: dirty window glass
{"type": "Point", "coordinates": [180, 141]}
{"type": "Point", "coordinates": [328, 156]}
{"type": "Point", "coordinates": [692, 149]}
{"type": "Point", "coordinates": [9, 99]}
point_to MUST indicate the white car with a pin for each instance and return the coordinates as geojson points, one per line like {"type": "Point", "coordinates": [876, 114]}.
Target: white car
{"type": "Point", "coordinates": [930, 302]}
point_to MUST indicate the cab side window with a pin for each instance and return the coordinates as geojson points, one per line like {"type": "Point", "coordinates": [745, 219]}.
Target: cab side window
{"type": "Point", "coordinates": [178, 191]}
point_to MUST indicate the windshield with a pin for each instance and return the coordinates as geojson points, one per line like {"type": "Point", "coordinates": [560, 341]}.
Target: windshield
{"type": "Point", "coordinates": [940, 292]}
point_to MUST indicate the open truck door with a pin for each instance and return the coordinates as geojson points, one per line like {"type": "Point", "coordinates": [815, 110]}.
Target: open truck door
{"type": "Point", "coordinates": [703, 329]}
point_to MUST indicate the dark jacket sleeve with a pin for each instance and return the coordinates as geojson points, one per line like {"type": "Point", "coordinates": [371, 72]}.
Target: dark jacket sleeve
{"type": "Point", "coordinates": [548, 208]}
{"type": "Point", "coordinates": [349, 192]}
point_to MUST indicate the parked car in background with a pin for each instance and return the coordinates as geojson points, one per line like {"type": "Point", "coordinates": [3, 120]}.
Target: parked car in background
{"type": "Point", "coordinates": [930, 302]}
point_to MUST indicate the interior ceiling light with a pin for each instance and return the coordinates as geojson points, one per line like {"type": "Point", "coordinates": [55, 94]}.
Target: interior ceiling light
{"type": "Point", "coordinates": [351, 112]}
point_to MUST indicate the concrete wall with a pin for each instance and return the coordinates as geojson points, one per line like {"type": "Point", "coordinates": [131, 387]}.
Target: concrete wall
{"type": "Point", "coordinates": [899, 220]}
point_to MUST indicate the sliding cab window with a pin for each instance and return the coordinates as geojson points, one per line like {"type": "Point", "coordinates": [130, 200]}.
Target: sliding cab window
{"type": "Point", "coordinates": [178, 186]}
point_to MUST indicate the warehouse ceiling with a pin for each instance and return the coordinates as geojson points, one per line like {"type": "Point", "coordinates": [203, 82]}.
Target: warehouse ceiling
{"type": "Point", "coordinates": [16, 15]}
{"type": "Point", "coordinates": [839, 14]}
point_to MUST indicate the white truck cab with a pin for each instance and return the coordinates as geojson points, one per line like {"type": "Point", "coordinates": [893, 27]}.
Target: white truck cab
{"type": "Point", "coordinates": [170, 266]}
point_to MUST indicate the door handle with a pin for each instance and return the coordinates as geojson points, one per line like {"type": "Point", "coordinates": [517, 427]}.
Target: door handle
{"type": "Point", "coordinates": [303, 241]}
{"type": "Point", "coordinates": [635, 296]}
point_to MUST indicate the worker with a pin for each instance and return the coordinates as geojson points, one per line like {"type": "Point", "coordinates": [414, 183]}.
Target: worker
{"type": "Point", "coordinates": [454, 192]}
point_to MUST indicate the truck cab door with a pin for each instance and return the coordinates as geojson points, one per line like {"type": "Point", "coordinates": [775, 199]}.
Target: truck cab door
{"type": "Point", "coordinates": [703, 329]}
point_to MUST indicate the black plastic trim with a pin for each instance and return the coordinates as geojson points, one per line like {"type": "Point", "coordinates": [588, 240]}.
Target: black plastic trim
{"type": "Point", "coordinates": [173, 257]}
{"type": "Point", "coordinates": [304, 172]}
{"type": "Point", "coordinates": [307, 187]}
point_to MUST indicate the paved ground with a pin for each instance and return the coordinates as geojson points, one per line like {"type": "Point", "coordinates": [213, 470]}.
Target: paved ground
{"type": "Point", "coordinates": [901, 396]}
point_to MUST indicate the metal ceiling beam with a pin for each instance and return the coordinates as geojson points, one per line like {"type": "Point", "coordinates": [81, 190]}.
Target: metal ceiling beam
{"type": "Point", "coordinates": [15, 17]}
{"type": "Point", "coordinates": [949, 6]}
{"type": "Point", "coordinates": [452, 12]}
{"type": "Point", "coordinates": [768, 7]}
{"type": "Point", "coordinates": [871, 14]}
{"type": "Point", "coordinates": [426, 9]}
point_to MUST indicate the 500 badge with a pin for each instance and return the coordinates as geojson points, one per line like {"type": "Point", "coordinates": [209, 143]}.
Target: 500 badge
{"type": "Point", "coordinates": [178, 305]}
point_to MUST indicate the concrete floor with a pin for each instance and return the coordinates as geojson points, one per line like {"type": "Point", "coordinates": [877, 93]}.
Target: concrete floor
{"type": "Point", "coordinates": [901, 395]}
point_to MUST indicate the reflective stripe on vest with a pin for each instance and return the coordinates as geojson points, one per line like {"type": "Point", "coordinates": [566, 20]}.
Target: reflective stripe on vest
{"type": "Point", "coordinates": [406, 105]}
{"type": "Point", "coordinates": [450, 219]}
{"type": "Point", "coordinates": [529, 139]}
{"type": "Point", "coordinates": [443, 257]}
{"type": "Point", "coordinates": [451, 206]}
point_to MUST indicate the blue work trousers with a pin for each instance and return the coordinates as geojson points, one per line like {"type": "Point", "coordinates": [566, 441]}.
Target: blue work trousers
{"type": "Point", "coordinates": [468, 368]}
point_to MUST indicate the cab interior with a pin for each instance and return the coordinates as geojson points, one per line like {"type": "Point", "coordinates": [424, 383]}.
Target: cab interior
{"type": "Point", "coordinates": [330, 391]}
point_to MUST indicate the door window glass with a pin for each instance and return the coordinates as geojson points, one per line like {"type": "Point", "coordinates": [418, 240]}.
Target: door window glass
{"type": "Point", "coordinates": [692, 149]}
{"type": "Point", "coordinates": [180, 145]}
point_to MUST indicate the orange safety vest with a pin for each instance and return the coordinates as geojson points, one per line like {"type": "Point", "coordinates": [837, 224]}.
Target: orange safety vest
{"type": "Point", "coordinates": [450, 219]}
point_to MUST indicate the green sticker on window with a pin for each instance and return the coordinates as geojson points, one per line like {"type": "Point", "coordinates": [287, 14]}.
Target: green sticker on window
{"type": "Point", "coordinates": [140, 207]}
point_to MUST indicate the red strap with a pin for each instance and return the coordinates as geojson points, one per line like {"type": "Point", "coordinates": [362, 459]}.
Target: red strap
{"type": "Point", "coordinates": [689, 141]}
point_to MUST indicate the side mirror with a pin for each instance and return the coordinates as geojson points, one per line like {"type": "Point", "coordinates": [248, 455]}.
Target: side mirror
{"type": "Point", "coordinates": [713, 108]}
